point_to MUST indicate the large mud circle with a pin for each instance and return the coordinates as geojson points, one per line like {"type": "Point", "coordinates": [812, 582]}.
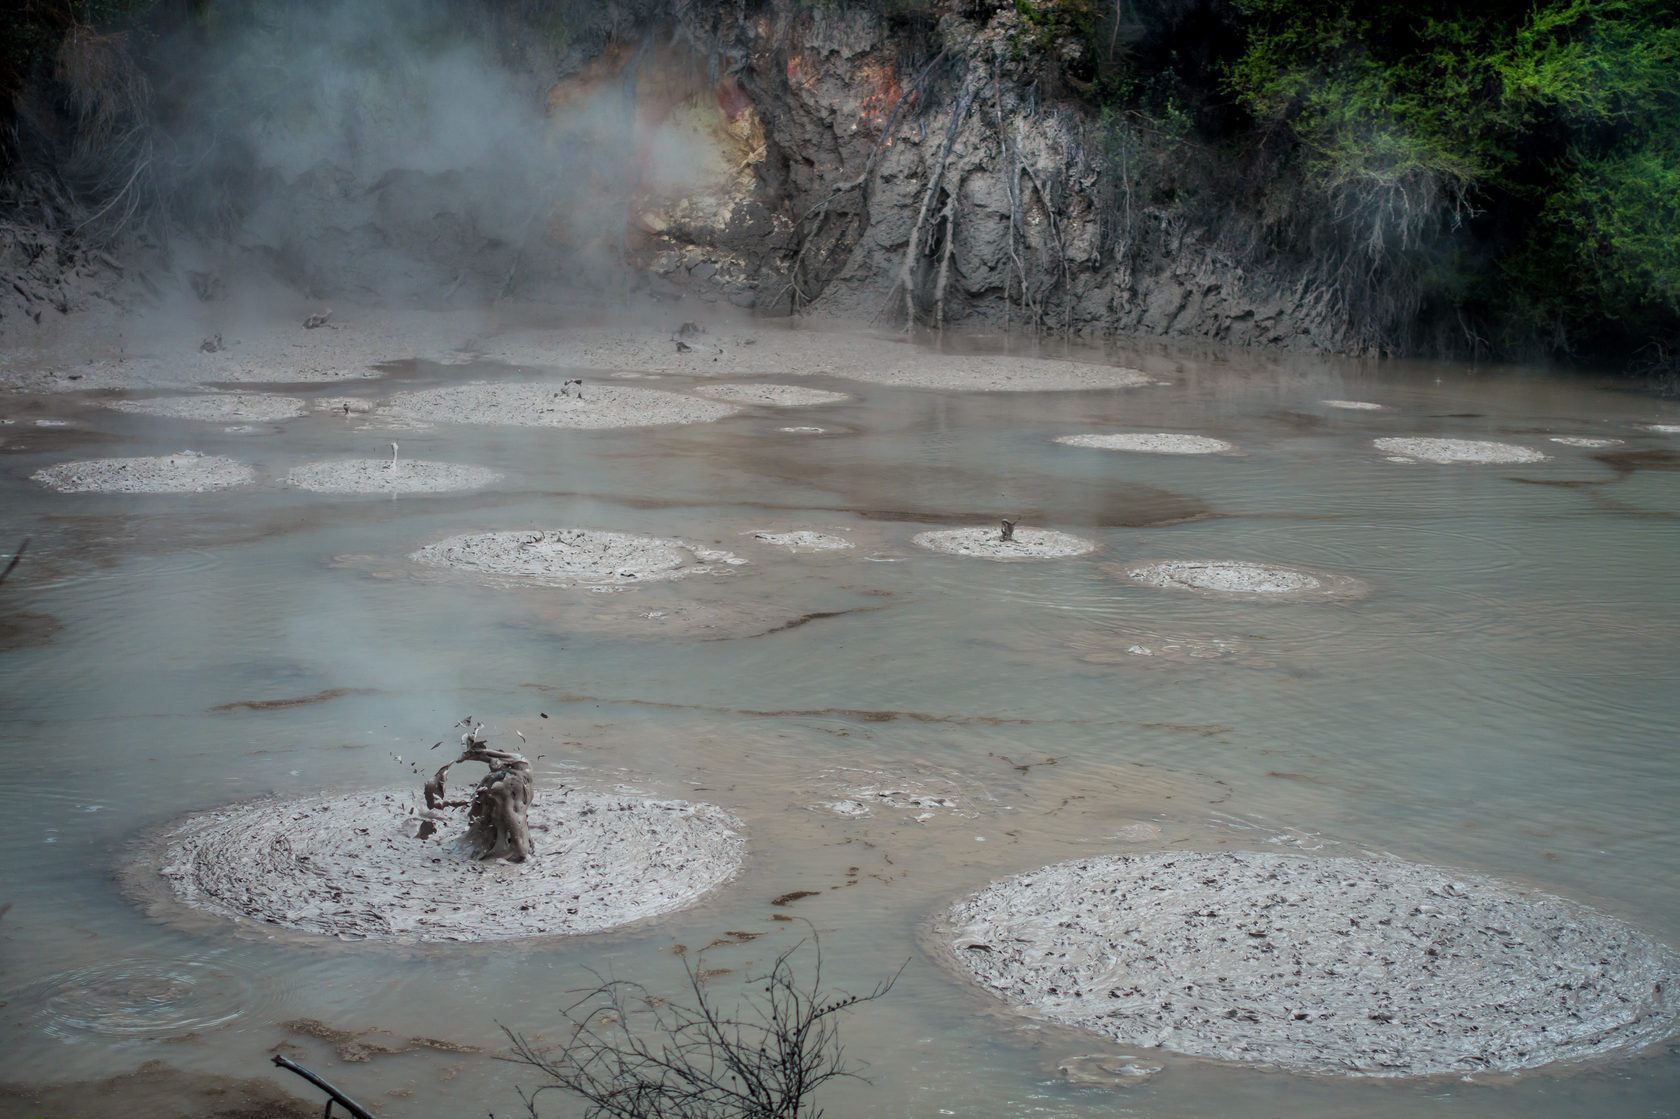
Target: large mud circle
{"type": "Point", "coordinates": [382, 476]}
{"type": "Point", "coordinates": [1447, 451]}
{"type": "Point", "coordinates": [352, 866]}
{"type": "Point", "coordinates": [1326, 965]}
{"type": "Point", "coordinates": [1239, 577]}
{"type": "Point", "coordinates": [1150, 443]}
{"type": "Point", "coordinates": [182, 472]}
{"type": "Point", "coordinates": [218, 407]}
{"type": "Point", "coordinates": [572, 556]}
{"type": "Point", "coordinates": [593, 406]}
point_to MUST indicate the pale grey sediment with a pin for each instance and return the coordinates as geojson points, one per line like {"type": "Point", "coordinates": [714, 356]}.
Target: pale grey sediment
{"type": "Point", "coordinates": [1445, 451]}
{"type": "Point", "coordinates": [1354, 405]}
{"type": "Point", "coordinates": [1327, 965]}
{"type": "Point", "coordinates": [1240, 577]}
{"type": "Point", "coordinates": [554, 405]}
{"type": "Point", "coordinates": [216, 407]}
{"type": "Point", "coordinates": [352, 866]}
{"type": "Point", "coordinates": [182, 472]}
{"type": "Point", "coordinates": [1153, 443]}
{"type": "Point", "coordinates": [1585, 441]}
{"type": "Point", "coordinates": [569, 556]}
{"type": "Point", "coordinates": [988, 543]}
{"type": "Point", "coordinates": [381, 476]}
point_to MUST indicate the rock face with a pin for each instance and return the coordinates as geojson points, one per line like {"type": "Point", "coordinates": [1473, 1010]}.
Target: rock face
{"type": "Point", "coordinates": [937, 184]}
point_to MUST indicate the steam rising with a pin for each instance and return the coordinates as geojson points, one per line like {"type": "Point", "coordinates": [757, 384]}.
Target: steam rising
{"type": "Point", "coordinates": [385, 151]}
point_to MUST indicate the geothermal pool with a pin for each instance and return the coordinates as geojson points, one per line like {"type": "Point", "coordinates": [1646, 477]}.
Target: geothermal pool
{"type": "Point", "coordinates": [895, 727]}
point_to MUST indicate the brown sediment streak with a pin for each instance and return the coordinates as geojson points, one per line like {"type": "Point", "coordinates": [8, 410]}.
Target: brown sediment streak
{"type": "Point", "coordinates": [295, 701]}
{"type": "Point", "coordinates": [803, 619]}
{"type": "Point", "coordinates": [860, 714]}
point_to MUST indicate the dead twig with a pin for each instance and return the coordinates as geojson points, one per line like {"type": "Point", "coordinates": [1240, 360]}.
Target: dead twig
{"type": "Point", "coordinates": [17, 558]}
{"type": "Point", "coordinates": [356, 1110]}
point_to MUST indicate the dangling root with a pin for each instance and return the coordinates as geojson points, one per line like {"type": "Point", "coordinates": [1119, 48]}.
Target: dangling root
{"type": "Point", "coordinates": [906, 270]}
{"type": "Point", "coordinates": [949, 216]}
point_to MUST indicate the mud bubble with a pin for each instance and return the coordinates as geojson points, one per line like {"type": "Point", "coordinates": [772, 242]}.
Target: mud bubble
{"type": "Point", "coordinates": [1445, 451]}
{"type": "Point", "coordinates": [988, 543]}
{"type": "Point", "coordinates": [573, 556]}
{"type": "Point", "coordinates": [1359, 967]}
{"type": "Point", "coordinates": [353, 866]}
{"type": "Point", "coordinates": [181, 472]}
{"type": "Point", "coordinates": [1151, 443]}
{"type": "Point", "coordinates": [1240, 577]}
{"type": "Point", "coordinates": [382, 476]}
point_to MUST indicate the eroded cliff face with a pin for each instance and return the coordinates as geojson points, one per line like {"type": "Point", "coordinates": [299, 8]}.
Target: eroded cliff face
{"type": "Point", "coordinates": [924, 169]}
{"type": "Point", "coordinates": [938, 181]}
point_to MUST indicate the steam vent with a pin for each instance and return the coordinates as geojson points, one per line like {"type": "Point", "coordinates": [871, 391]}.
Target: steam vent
{"type": "Point", "coordinates": [1361, 967]}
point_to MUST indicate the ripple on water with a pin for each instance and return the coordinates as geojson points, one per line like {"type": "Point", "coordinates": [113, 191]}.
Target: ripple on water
{"type": "Point", "coordinates": [140, 999]}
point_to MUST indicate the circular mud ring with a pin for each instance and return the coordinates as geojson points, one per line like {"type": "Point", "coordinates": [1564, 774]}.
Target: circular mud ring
{"type": "Point", "coordinates": [351, 866]}
{"type": "Point", "coordinates": [985, 543]}
{"type": "Point", "coordinates": [774, 396]}
{"type": "Point", "coordinates": [216, 407]}
{"type": "Point", "coordinates": [1458, 450]}
{"type": "Point", "coordinates": [552, 405]}
{"type": "Point", "coordinates": [184, 472]}
{"type": "Point", "coordinates": [1238, 577]}
{"type": "Point", "coordinates": [140, 999]}
{"type": "Point", "coordinates": [379, 476]}
{"type": "Point", "coordinates": [1334, 965]}
{"type": "Point", "coordinates": [1156, 443]}
{"type": "Point", "coordinates": [568, 556]}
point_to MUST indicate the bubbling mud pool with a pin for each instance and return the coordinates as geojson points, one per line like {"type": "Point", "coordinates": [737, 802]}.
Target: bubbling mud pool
{"type": "Point", "coordinates": [881, 727]}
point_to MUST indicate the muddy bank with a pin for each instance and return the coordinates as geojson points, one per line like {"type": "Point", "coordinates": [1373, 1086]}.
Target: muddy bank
{"type": "Point", "coordinates": [158, 1090]}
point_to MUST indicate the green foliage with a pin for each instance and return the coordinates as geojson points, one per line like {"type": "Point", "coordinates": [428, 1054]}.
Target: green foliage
{"type": "Point", "coordinates": [1541, 131]}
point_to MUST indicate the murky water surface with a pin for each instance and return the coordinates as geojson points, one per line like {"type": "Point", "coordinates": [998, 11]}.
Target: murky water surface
{"type": "Point", "coordinates": [1501, 701]}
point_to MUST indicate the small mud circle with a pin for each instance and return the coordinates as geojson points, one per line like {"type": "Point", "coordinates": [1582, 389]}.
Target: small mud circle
{"type": "Point", "coordinates": [573, 556]}
{"type": "Point", "coordinates": [352, 866]}
{"type": "Point", "coordinates": [1325, 965]}
{"type": "Point", "coordinates": [805, 540]}
{"type": "Point", "coordinates": [1446, 451]}
{"type": "Point", "coordinates": [381, 476]}
{"type": "Point", "coordinates": [774, 396]}
{"type": "Point", "coordinates": [182, 472]}
{"type": "Point", "coordinates": [554, 405]}
{"type": "Point", "coordinates": [231, 407]}
{"type": "Point", "coordinates": [988, 543]}
{"type": "Point", "coordinates": [1238, 577]}
{"type": "Point", "coordinates": [1585, 441]}
{"type": "Point", "coordinates": [1153, 443]}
